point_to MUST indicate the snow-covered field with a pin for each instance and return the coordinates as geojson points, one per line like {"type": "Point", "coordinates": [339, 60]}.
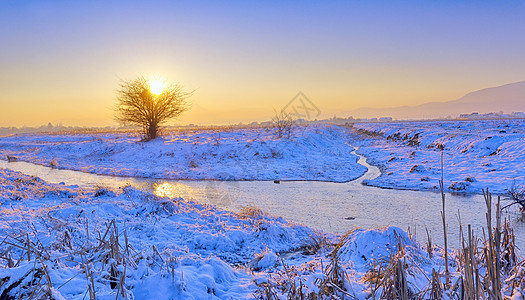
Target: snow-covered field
{"type": "Point", "coordinates": [76, 243]}
{"type": "Point", "coordinates": [71, 243]}
{"type": "Point", "coordinates": [167, 249]}
{"type": "Point", "coordinates": [313, 153]}
{"type": "Point", "coordinates": [477, 154]}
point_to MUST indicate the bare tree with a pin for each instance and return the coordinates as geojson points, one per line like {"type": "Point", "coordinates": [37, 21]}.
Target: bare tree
{"type": "Point", "coordinates": [283, 123]}
{"type": "Point", "coordinates": [516, 194]}
{"type": "Point", "coordinates": [138, 105]}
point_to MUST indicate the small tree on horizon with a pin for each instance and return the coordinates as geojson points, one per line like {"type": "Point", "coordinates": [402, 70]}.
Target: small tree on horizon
{"type": "Point", "coordinates": [284, 124]}
{"type": "Point", "coordinates": [138, 105]}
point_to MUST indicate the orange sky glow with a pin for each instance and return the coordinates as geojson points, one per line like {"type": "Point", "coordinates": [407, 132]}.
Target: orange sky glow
{"type": "Point", "coordinates": [61, 62]}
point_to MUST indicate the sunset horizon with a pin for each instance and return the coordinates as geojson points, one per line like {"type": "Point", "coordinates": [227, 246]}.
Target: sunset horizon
{"type": "Point", "coordinates": [62, 62]}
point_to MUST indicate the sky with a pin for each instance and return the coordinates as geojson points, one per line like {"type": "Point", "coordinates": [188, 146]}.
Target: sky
{"type": "Point", "coordinates": [62, 61]}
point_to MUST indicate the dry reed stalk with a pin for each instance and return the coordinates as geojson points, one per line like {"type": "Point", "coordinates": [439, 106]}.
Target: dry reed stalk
{"type": "Point", "coordinates": [89, 277]}
{"type": "Point", "coordinates": [429, 244]}
{"type": "Point", "coordinates": [374, 278]}
{"type": "Point", "coordinates": [470, 281]}
{"type": "Point", "coordinates": [508, 246]}
{"type": "Point", "coordinates": [491, 251]}
{"type": "Point", "coordinates": [87, 231]}
{"type": "Point", "coordinates": [436, 288]}
{"type": "Point", "coordinates": [28, 248]}
{"type": "Point", "coordinates": [394, 275]}
{"type": "Point", "coordinates": [335, 278]}
{"type": "Point", "coordinates": [443, 218]}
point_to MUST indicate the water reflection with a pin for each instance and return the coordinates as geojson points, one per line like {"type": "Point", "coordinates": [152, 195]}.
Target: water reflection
{"type": "Point", "coordinates": [174, 190]}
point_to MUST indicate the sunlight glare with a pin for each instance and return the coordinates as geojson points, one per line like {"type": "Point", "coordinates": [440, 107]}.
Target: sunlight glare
{"type": "Point", "coordinates": [173, 190]}
{"type": "Point", "coordinates": [157, 85]}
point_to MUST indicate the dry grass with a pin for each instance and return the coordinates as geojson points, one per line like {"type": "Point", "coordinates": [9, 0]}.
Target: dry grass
{"type": "Point", "coordinates": [251, 213]}
{"type": "Point", "coordinates": [482, 269]}
{"type": "Point", "coordinates": [292, 282]}
{"type": "Point", "coordinates": [390, 275]}
{"type": "Point", "coordinates": [110, 255]}
{"type": "Point", "coordinates": [317, 242]}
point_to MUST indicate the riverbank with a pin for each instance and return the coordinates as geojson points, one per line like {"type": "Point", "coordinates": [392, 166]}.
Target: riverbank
{"type": "Point", "coordinates": [311, 153]}
{"type": "Point", "coordinates": [476, 154]}
{"type": "Point", "coordinates": [326, 206]}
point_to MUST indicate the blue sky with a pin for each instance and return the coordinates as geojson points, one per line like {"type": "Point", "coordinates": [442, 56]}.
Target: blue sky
{"type": "Point", "coordinates": [61, 61]}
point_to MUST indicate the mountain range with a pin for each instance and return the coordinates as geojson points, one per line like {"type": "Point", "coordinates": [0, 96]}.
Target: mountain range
{"type": "Point", "coordinates": [507, 98]}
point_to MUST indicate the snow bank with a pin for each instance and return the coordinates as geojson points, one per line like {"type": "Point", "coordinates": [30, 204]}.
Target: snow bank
{"type": "Point", "coordinates": [366, 247]}
{"type": "Point", "coordinates": [477, 154]}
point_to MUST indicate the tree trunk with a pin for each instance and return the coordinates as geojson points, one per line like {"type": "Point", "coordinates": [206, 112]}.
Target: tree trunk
{"type": "Point", "coordinates": [152, 132]}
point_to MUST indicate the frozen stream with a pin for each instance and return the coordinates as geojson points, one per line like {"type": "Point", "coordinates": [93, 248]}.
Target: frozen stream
{"type": "Point", "coordinates": [332, 207]}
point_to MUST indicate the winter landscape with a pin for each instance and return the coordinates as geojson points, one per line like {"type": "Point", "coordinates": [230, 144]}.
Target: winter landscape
{"type": "Point", "coordinates": [103, 241]}
{"type": "Point", "coordinates": [262, 150]}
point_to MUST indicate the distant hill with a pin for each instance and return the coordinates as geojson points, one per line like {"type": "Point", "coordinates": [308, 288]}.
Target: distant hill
{"type": "Point", "coordinates": [507, 98]}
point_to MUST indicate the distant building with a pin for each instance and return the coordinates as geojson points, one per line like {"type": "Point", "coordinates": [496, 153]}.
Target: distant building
{"type": "Point", "coordinates": [491, 115]}
{"type": "Point", "coordinates": [471, 116]}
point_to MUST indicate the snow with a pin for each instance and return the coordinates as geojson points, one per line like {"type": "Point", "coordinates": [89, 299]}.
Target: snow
{"type": "Point", "coordinates": [364, 247]}
{"type": "Point", "coordinates": [132, 243]}
{"type": "Point", "coordinates": [312, 153]}
{"type": "Point", "coordinates": [264, 260]}
{"type": "Point", "coordinates": [477, 154]}
{"type": "Point", "coordinates": [138, 245]}
{"type": "Point", "coordinates": [186, 249]}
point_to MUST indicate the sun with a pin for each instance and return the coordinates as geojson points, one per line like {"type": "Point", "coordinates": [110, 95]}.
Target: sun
{"type": "Point", "coordinates": [156, 85]}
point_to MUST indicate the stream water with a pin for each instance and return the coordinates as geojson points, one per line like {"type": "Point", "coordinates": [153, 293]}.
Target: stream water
{"type": "Point", "coordinates": [331, 207]}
